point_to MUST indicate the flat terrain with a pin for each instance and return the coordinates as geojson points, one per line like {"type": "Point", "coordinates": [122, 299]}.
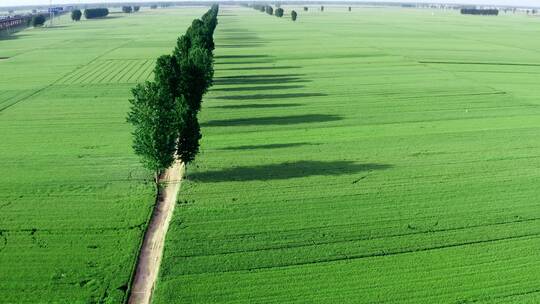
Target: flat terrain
{"type": "Point", "coordinates": [74, 201]}
{"type": "Point", "coordinates": [377, 156]}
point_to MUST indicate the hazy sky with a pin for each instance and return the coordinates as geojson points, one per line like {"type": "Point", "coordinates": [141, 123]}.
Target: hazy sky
{"type": "Point", "coordinates": [495, 2]}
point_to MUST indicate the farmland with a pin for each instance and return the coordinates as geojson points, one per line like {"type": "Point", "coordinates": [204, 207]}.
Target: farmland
{"type": "Point", "coordinates": [383, 155]}
{"type": "Point", "coordinates": [74, 201]}
{"type": "Point", "coordinates": [379, 156]}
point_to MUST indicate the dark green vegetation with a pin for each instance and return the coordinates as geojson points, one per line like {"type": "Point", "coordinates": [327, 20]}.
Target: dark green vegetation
{"type": "Point", "coordinates": [76, 15]}
{"type": "Point", "coordinates": [279, 12]}
{"type": "Point", "coordinates": [294, 15]}
{"type": "Point", "coordinates": [92, 13]}
{"type": "Point", "coordinates": [477, 11]}
{"type": "Point", "coordinates": [38, 20]}
{"type": "Point", "coordinates": [127, 9]}
{"type": "Point", "coordinates": [164, 112]}
{"type": "Point", "coordinates": [74, 200]}
{"type": "Point", "coordinates": [379, 156]}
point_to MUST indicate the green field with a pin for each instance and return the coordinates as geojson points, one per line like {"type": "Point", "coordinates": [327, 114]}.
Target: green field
{"type": "Point", "coordinates": [380, 156]}
{"type": "Point", "coordinates": [74, 200]}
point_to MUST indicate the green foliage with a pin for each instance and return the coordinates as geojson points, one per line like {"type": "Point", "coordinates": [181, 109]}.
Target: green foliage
{"type": "Point", "coordinates": [167, 75]}
{"type": "Point", "coordinates": [76, 15]}
{"type": "Point", "coordinates": [181, 80]}
{"type": "Point", "coordinates": [92, 13]}
{"type": "Point", "coordinates": [38, 20]}
{"type": "Point", "coordinates": [189, 132]}
{"type": "Point", "coordinates": [269, 10]}
{"type": "Point", "coordinates": [136, 8]}
{"type": "Point", "coordinates": [127, 9]}
{"type": "Point", "coordinates": [294, 15]}
{"type": "Point", "coordinates": [196, 75]}
{"type": "Point", "coordinates": [152, 114]}
{"type": "Point", "coordinates": [200, 35]}
{"type": "Point", "coordinates": [279, 12]}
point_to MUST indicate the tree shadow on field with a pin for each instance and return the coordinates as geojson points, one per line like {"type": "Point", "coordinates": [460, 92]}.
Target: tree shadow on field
{"type": "Point", "coordinates": [238, 37]}
{"type": "Point", "coordinates": [254, 68]}
{"type": "Point", "coordinates": [240, 45]}
{"type": "Point", "coordinates": [259, 106]}
{"type": "Point", "coordinates": [240, 56]}
{"type": "Point", "coordinates": [260, 79]}
{"type": "Point", "coordinates": [245, 62]}
{"type": "Point", "coordinates": [272, 120]}
{"type": "Point", "coordinates": [282, 171]}
{"type": "Point", "coordinates": [258, 88]}
{"type": "Point", "coordinates": [12, 36]}
{"type": "Point", "coordinates": [56, 27]}
{"type": "Point", "coordinates": [270, 96]}
{"type": "Point", "coordinates": [269, 146]}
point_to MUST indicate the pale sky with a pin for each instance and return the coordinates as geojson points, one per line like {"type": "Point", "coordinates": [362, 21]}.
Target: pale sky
{"type": "Point", "coordinates": [487, 2]}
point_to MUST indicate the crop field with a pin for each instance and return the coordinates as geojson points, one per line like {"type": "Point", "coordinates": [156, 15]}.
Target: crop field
{"type": "Point", "coordinates": [381, 155]}
{"type": "Point", "coordinates": [74, 201]}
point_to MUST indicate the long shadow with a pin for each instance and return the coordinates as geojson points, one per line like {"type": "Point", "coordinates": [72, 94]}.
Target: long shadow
{"type": "Point", "coordinates": [270, 96]}
{"type": "Point", "coordinates": [13, 36]}
{"type": "Point", "coordinates": [258, 88]}
{"type": "Point", "coordinates": [238, 37]}
{"type": "Point", "coordinates": [56, 27]}
{"type": "Point", "coordinates": [270, 146]}
{"type": "Point", "coordinates": [272, 120]}
{"type": "Point", "coordinates": [239, 46]}
{"type": "Point", "coordinates": [259, 106]}
{"type": "Point", "coordinates": [245, 62]}
{"type": "Point", "coordinates": [105, 18]}
{"type": "Point", "coordinates": [253, 68]}
{"type": "Point", "coordinates": [260, 79]}
{"type": "Point", "coordinates": [240, 56]}
{"type": "Point", "coordinates": [251, 76]}
{"type": "Point", "coordinates": [282, 171]}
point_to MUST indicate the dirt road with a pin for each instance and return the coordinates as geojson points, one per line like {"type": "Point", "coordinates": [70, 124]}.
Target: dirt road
{"type": "Point", "coordinates": [152, 248]}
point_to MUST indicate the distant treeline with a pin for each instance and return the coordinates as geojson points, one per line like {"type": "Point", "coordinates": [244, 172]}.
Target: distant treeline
{"type": "Point", "coordinates": [91, 13]}
{"type": "Point", "coordinates": [480, 11]}
{"type": "Point", "coordinates": [270, 11]}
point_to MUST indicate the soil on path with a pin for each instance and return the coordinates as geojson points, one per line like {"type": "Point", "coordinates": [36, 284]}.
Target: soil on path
{"type": "Point", "coordinates": [152, 248]}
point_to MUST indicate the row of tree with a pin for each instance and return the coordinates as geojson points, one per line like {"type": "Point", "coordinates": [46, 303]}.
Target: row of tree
{"type": "Point", "coordinates": [164, 111]}
{"type": "Point", "coordinates": [130, 9]}
{"type": "Point", "coordinates": [479, 11]}
{"type": "Point", "coordinates": [270, 11]}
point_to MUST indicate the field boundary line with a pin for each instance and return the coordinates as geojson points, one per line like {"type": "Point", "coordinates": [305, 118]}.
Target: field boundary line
{"type": "Point", "coordinates": [151, 252]}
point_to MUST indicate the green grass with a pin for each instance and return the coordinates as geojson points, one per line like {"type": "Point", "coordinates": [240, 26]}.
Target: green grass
{"type": "Point", "coordinates": [378, 156]}
{"type": "Point", "coordinates": [74, 200]}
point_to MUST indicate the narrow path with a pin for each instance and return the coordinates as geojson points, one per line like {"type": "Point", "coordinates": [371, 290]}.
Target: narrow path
{"type": "Point", "coordinates": [152, 248]}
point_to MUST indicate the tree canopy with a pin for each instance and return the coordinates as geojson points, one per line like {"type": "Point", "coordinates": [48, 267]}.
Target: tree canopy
{"type": "Point", "coordinates": [38, 20]}
{"type": "Point", "coordinates": [91, 13]}
{"type": "Point", "coordinates": [164, 111]}
{"type": "Point", "coordinates": [76, 15]}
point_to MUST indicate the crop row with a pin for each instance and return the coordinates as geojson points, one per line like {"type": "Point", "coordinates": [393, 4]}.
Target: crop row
{"type": "Point", "coordinates": [111, 71]}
